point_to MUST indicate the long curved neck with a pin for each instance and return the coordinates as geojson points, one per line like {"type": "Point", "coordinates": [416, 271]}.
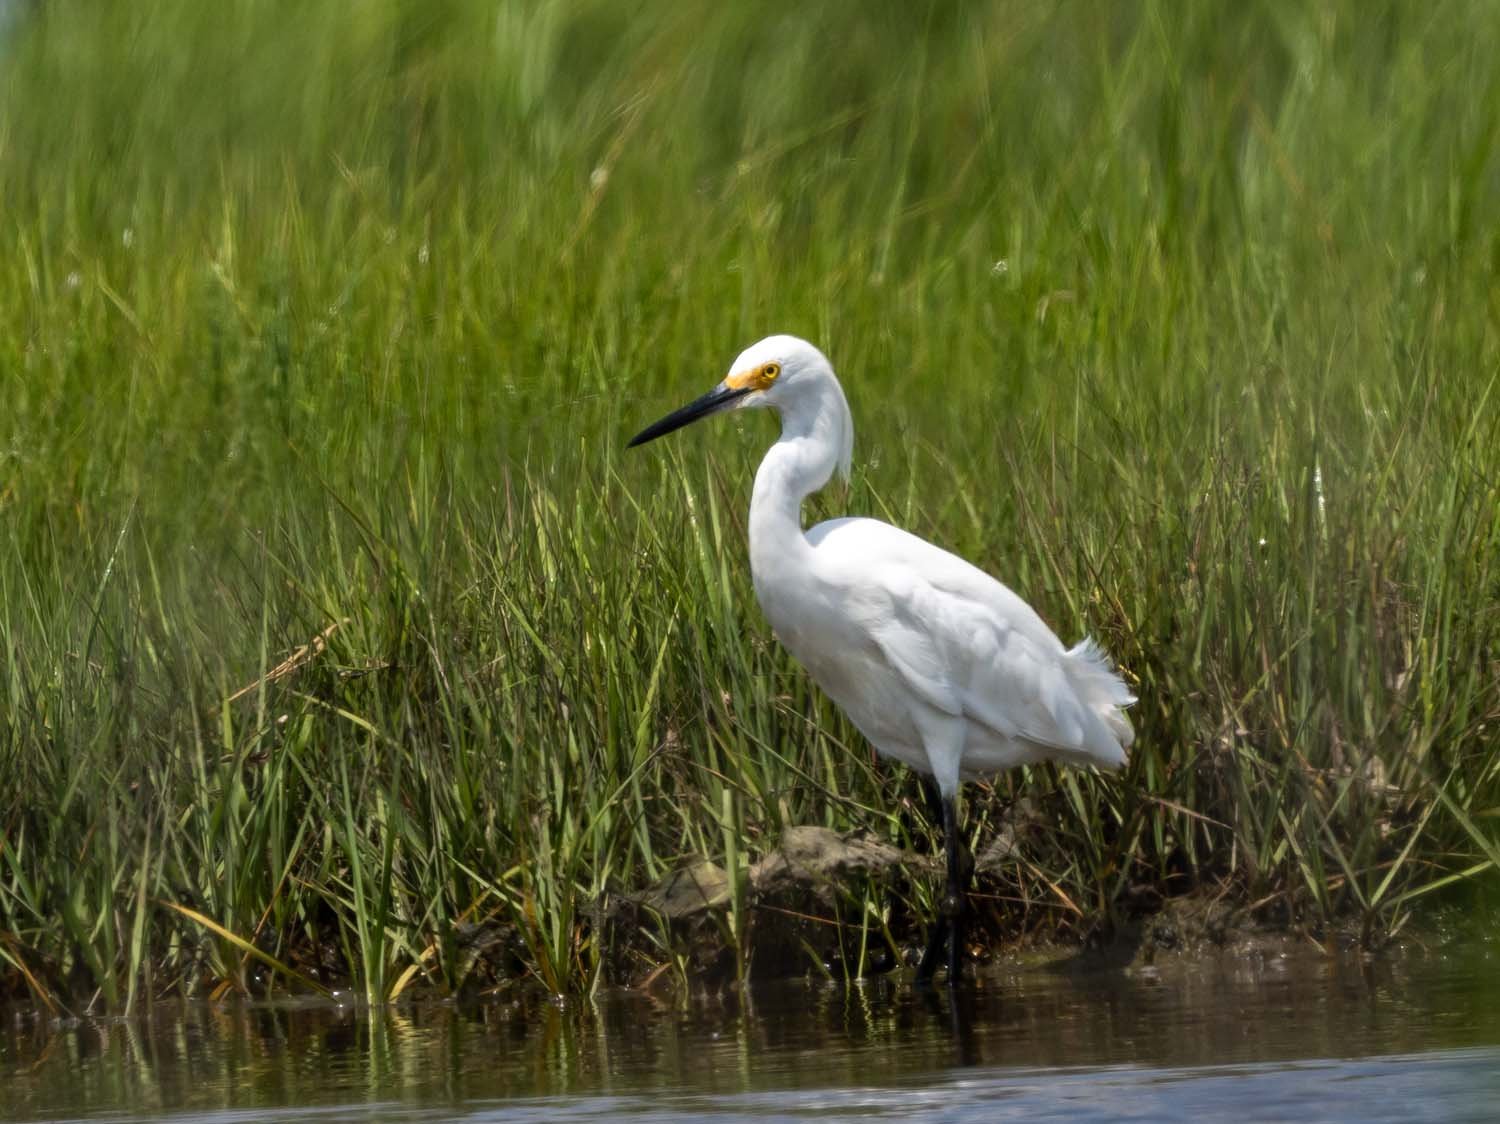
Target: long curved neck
{"type": "Point", "coordinates": [816, 434]}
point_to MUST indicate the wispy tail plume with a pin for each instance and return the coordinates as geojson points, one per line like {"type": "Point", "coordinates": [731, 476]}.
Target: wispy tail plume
{"type": "Point", "coordinates": [1102, 688]}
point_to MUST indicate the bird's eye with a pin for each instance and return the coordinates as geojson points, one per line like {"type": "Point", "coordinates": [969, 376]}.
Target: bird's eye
{"type": "Point", "coordinates": [770, 371]}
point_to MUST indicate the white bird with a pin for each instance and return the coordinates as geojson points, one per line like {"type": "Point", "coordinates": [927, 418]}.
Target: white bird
{"type": "Point", "coordinates": [937, 663]}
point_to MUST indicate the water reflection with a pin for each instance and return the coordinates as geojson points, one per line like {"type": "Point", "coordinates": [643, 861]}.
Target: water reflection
{"type": "Point", "coordinates": [883, 1035]}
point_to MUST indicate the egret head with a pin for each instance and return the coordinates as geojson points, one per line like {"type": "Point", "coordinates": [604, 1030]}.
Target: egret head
{"type": "Point", "coordinates": [783, 372]}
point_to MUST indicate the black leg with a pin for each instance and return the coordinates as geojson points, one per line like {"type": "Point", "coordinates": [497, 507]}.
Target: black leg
{"type": "Point", "coordinates": [956, 900]}
{"type": "Point", "coordinates": [937, 940]}
{"type": "Point", "coordinates": [947, 939]}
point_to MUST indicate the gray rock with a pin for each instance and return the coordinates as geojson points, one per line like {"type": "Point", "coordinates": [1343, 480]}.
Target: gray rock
{"type": "Point", "coordinates": [817, 856]}
{"type": "Point", "coordinates": [695, 886]}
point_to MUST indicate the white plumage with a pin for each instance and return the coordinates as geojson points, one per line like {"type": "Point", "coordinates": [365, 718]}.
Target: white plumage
{"type": "Point", "coordinates": [938, 664]}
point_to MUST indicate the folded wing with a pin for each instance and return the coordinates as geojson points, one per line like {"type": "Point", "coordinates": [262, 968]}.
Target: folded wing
{"type": "Point", "coordinates": [967, 645]}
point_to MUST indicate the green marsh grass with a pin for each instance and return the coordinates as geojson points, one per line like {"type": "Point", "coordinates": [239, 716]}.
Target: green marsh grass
{"type": "Point", "coordinates": [339, 635]}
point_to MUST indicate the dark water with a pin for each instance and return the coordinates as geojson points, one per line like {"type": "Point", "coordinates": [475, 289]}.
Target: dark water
{"type": "Point", "coordinates": [1414, 1038]}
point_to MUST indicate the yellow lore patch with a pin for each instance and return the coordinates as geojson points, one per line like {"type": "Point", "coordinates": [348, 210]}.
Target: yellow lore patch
{"type": "Point", "coordinates": [756, 378]}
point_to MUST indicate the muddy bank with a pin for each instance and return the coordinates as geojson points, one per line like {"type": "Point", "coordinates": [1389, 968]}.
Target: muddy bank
{"type": "Point", "coordinates": [831, 905]}
{"type": "Point", "coordinates": [823, 903]}
{"type": "Point", "coordinates": [819, 905]}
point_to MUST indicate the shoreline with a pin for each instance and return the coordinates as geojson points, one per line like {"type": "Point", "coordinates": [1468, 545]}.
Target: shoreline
{"type": "Point", "coordinates": [677, 937]}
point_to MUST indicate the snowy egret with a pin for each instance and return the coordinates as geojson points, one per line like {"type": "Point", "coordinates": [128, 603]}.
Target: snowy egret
{"type": "Point", "coordinates": [937, 664]}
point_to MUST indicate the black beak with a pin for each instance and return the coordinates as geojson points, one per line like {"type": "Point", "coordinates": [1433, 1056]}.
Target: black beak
{"type": "Point", "coordinates": [715, 400]}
